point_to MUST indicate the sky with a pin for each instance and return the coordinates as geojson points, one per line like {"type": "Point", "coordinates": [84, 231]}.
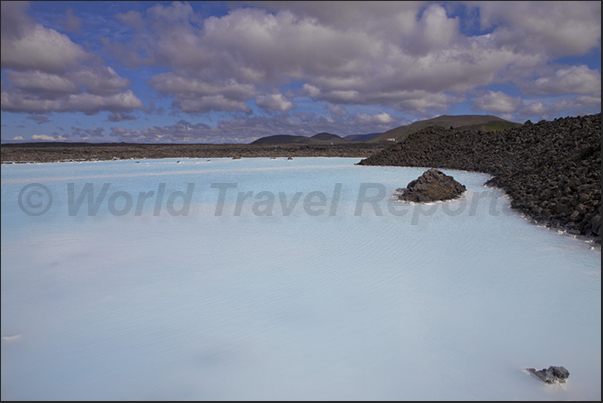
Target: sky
{"type": "Point", "coordinates": [232, 72]}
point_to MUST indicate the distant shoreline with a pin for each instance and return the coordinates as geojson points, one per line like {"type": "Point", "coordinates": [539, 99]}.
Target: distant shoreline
{"type": "Point", "coordinates": [65, 152]}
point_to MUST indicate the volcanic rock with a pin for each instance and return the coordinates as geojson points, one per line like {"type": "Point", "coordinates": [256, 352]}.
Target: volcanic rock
{"type": "Point", "coordinates": [547, 168]}
{"type": "Point", "coordinates": [551, 375]}
{"type": "Point", "coordinates": [433, 185]}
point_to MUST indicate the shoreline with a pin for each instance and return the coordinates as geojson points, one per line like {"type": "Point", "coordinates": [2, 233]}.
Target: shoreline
{"type": "Point", "coordinates": [550, 170]}
{"type": "Point", "coordinates": [64, 152]}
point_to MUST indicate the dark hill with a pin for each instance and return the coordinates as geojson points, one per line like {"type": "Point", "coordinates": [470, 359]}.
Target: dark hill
{"type": "Point", "coordinates": [328, 137]}
{"type": "Point", "coordinates": [460, 122]}
{"type": "Point", "coordinates": [361, 137]}
{"type": "Point", "coordinates": [551, 170]}
{"type": "Point", "coordinates": [320, 138]}
{"type": "Point", "coordinates": [282, 139]}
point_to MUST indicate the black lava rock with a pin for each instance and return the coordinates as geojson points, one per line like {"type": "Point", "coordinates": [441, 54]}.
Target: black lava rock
{"type": "Point", "coordinates": [433, 185]}
{"type": "Point", "coordinates": [551, 374]}
{"type": "Point", "coordinates": [548, 168]}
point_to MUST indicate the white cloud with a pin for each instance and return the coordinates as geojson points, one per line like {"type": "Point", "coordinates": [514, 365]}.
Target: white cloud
{"type": "Point", "coordinates": [339, 65]}
{"type": "Point", "coordinates": [437, 30]}
{"type": "Point", "coordinates": [570, 79]}
{"type": "Point", "coordinates": [45, 137]}
{"type": "Point", "coordinates": [549, 108]}
{"type": "Point", "coordinates": [99, 80]}
{"type": "Point", "coordinates": [310, 91]}
{"type": "Point", "coordinates": [193, 95]}
{"type": "Point", "coordinates": [377, 118]}
{"type": "Point", "coordinates": [86, 103]}
{"type": "Point", "coordinates": [41, 49]}
{"type": "Point", "coordinates": [336, 110]}
{"type": "Point", "coordinates": [496, 102]}
{"type": "Point", "coordinates": [47, 72]}
{"type": "Point", "coordinates": [43, 84]}
{"type": "Point", "coordinates": [558, 28]}
{"type": "Point", "coordinates": [18, 138]}
{"type": "Point", "coordinates": [410, 56]}
{"type": "Point", "coordinates": [273, 103]}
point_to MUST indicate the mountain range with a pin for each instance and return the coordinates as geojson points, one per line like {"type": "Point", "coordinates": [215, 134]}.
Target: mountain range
{"type": "Point", "coordinates": [459, 122]}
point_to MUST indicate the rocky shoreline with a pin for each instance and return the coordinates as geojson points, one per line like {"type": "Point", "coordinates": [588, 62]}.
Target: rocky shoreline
{"type": "Point", "coordinates": [551, 170]}
{"type": "Point", "coordinates": [65, 152]}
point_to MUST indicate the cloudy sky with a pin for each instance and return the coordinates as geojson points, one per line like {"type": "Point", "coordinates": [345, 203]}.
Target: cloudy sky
{"type": "Point", "coordinates": [213, 72]}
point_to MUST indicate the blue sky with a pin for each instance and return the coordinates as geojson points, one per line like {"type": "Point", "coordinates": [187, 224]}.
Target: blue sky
{"type": "Point", "coordinates": [214, 72]}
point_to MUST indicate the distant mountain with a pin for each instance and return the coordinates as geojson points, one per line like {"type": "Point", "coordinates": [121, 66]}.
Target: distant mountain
{"type": "Point", "coordinates": [320, 138]}
{"type": "Point", "coordinates": [361, 137]}
{"type": "Point", "coordinates": [282, 139]}
{"type": "Point", "coordinates": [460, 122]}
{"type": "Point", "coordinates": [328, 137]}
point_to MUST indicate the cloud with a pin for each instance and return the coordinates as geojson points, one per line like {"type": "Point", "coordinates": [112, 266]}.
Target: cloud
{"type": "Point", "coordinates": [336, 110]}
{"type": "Point", "coordinates": [549, 108]}
{"type": "Point", "coordinates": [496, 102]}
{"type": "Point", "coordinates": [15, 21]}
{"type": "Point", "coordinates": [304, 117]}
{"type": "Point", "coordinates": [557, 28]}
{"type": "Point", "coordinates": [310, 91]}
{"type": "Point", "coordinates": [18, 138]}
{"type": "Point", "coordinates": [253, 47]}
{"type": "Point", "coordinates": [120, 117]}
{"type": "Point", "coordinates": [377, 118]}
{"type": "Point", "coordinates": [45, 137]}
{"type": "Point", "coordinates": [409, 56]}
{"type": "Point", "coordinates": [71, 22]}
{"type": "Point", "coordinates": [425, 102]}
{"type": "Point", "coordinates": [132, 19]}
{"type": "Point", "coordinates": [99, 80]}
{"type": "Point", "coordinates": [47, 72]}
{"type": "Point", "coordinates": [86, 133]}
{"type": "Point", "coordinates": [273, 103]}
{"type": "Point", "coordinates": [580, 102]}
{"type": "Point", "coordinates": [40, 84]}
{"type": "Point", "coordinates": [39, 119]}
{"type": "Point", "coordinates": [438, 31]}
{"type": "Point", "coordinates": [86, 103]}
{"type": "Point", "coordinates": [568, 79]}
{"type": "Point", "coordinates": [193, 95]}
{"type": "Point", "coordinates": [41, 49]}
{"type": "Point", "coordinates": [378, 60]}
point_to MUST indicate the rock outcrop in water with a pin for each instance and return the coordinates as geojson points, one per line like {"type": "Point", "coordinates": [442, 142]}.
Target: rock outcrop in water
{"type": "Point", "coordinates": [551, 374]}
{"type": "Point", "coordinates": [433, 185]}
{"type": "Point", "coordinates": [551, 170]}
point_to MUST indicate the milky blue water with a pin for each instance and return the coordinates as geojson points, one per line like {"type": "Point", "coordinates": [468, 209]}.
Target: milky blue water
{"type": "Point", "coordinates": [325, 297]}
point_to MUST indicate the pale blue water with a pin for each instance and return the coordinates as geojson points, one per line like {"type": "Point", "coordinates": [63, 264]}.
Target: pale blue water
{"type": "Point", "coordinates": [448, 302]}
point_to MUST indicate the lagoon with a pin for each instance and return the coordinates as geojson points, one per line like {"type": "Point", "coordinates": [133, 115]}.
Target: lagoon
{"type": "Point", "coordinates": [276, 279]}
